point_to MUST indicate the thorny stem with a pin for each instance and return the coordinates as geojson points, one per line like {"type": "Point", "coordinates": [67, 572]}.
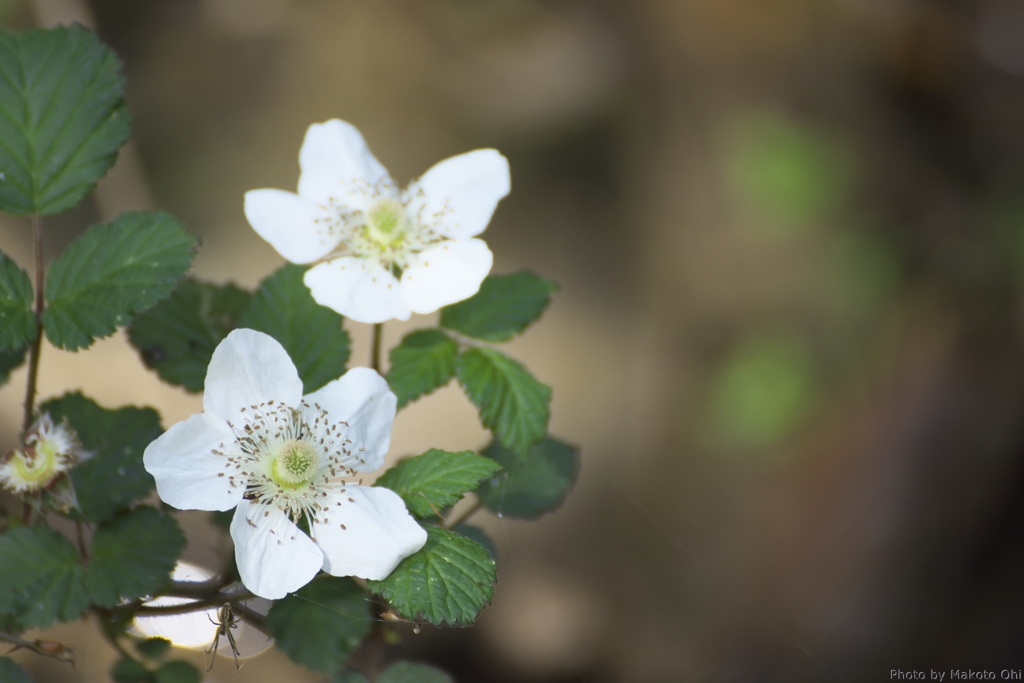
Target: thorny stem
{"type": "Point", "coordinates": [378, 329]}
{"type": "Point", "coordinates": [46, 648]}
{"type": "Point", "coordinates": [37, 343]}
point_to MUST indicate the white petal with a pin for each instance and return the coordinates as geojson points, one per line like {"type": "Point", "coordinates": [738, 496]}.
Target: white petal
{"type": "Point", "coordinates": [336, 162]}
{"type": "Point", "coordinates": [450, 272]}
{"type": "Point", "coordinates": [457, 196]}
{"type": "Point", "coordinates": [299, 229]}
{"type": "Point", "coordinates": [274, 557]}
{"type": "Point", "coordinates": [361, 398]}
{"type": "Point", "coordinates": [248, 369]}
{"type": "Point", "coordinates": [188, 474]}
{"type": "Point", "coordinates": [359, 289]}
{"type": "Point", "coordinates": [379, 533]}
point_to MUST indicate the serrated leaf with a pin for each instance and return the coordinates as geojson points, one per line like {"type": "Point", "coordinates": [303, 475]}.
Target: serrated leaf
{"type": "Point", "coordinates": [10, 361]}
{"type": "Point", "coordinates": [133, 556]}
{"type": "Point", "coordinates": [153, 648]}
{"type": "Point", "coordinates": [112, 272]}
{"type": "Point", "coordinates": [17, 323]}
{"type": "Point", "coordinates": [178, 335]}
{"type": "Point", "coordinates": [437, 479]}
{"type": "Point", "coordinates": [475, 533]}
{"type": "Point", "coordinates": [311, 334]}
{"type": "Point", "coordinates": [448, 581]}
{"type": "Point", "coordinates": [41, 577]}
{"type": "Point", "coordinates": [413, 672]}
{"type": "Point", "coordinates": [62, 117]}
{"type": "Point", "coordinates": [11, 672]}
{"type": "Point", "coordinates": [322, 623]}
{"type": "Point", "coordinates": [177, 671]}
{"type": "Point", "coordinates": [114, 477]}
{"type": "Point", "coordinates": [504, 306]}
{"type": "Point", "coordinates": [422, 362]}
{"type": "Point", "coordinates": [512, 403]}
{"type": "Point", "coordinates": [533, 485]}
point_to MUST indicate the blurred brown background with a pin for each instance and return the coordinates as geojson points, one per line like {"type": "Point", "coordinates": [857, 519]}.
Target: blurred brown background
{"type": "Point", "coordinates": [790, 240]}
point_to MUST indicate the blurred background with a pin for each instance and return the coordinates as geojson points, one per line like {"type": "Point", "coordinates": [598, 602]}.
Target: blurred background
{"type": "Point", "coordinates": [789, 236]}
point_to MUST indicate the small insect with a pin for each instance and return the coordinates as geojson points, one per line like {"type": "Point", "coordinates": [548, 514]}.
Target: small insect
{"type": "Point", "coordinates": [227, 622]}
{"type": "Point", "coordinates": [395, 618]}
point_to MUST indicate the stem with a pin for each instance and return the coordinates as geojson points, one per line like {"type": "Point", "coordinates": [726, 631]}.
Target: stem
{"type": "Point", "coordinates": [82, 549]}
{"type": "Point", "coordinates": [455, 519]}
{"type": "Point", "coordinates": [378, 329]}
{"type": "Point", "coordinates": [37, 343]}
{"type": "Point", "coordinates": [46, 648]}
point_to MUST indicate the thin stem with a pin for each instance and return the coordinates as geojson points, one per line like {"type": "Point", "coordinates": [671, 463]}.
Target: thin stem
{"type": "Point", "coordinates": [82, 548]}
{"type": "Point", "coordinates": [457, 518]}
{"type": "Point", "coordinates": [250, 616]}
{"type": "Point", "coordinates": [37, 343]}
{"type": "Point", "coordinates": [378, 330]}
{"type": "Point", "coordinates": [46, 648]}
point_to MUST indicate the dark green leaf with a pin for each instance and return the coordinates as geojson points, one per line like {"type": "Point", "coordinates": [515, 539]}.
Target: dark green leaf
{"type": "Point", "coordinates": [153, 648]}
{"type": "Point", "coordinates": [130, 671]}
{"type": "Point", "coordinates": [413, 672]}
{"type": "Point", "coordinates": [41, 577]}
{"type": "Point", "coordinates": [477, 534]}
{"type": "Point", "coordinates": [114, 477]}
{"type": "Point", "coordinates": [111, 273]}
{"type": "Point", "coordinates": [423, 362]}
{"type": "Point", "coordinates": [437, 479]}
{"type": "Point", "coordinates": [322, 623]}
{"type": "Point", "coordinates": [62, 117]}
{"type": "Point", "coordinates": [349, 677]}
{"type": "Point", "coordinates": [177, 671]}
{"type": "Point", "coordinates": [178, 335]}
{"type": "Point", "coordinates": [532, 485]}
{"type": "Point", "coordinates": [512, 403]}
{"type": "Point", "coordinates": [11, 672]}
{"type": "Point", "coordinates": [504, 307]}
{"type": "Point", "coordinates": [9, 361]}
{"type": "Point", "coordinates": [311, 334]}
{"type": "Point", "coordinates": [17, 323]}
{"type": "Point", "coordinates": [133, 556]}
{"type": "Point", "coordinates": [448, 581]}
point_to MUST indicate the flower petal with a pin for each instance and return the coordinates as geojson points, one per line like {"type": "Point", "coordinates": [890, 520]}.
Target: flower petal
{"type": "Point", "coordinates": [188, 474]}
{"type": "Point", "coordinates": [358, 289]}
{"type": "Point", "coordinates": [274, 557]}
{"type": "Point", "coordinates": [361, 398]}
{"type": "Point", "coordinates": [336, 163]}
{"type": "Point", "coordinates": [248, 369]}
{"type": "Point", "coordinates": [450, 272]}
{"type": "Point", "coordinates": [457, 196]}
{"type": "Point", "coordinates": [299, 229]}
{"type": "Point", "coordinates": [368, 535]}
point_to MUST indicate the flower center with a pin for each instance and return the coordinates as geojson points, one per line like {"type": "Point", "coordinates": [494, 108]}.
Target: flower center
{"type": "Point", "coordinates": [386, 224]}
{"type": "Point", "coordinates": [294, 464]}
{"type": "Point", "coordinates": [32, 470]}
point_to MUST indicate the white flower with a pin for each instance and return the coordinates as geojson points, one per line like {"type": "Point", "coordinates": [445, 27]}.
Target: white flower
{"type": "Point", "coordinates": [381, 253]}
{"type": "Point", "coordinates": [280, 457]}
{"type": "Point", "coordinates": [49, 451]}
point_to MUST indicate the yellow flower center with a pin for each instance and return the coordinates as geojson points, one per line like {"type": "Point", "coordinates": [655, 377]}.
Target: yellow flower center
{"type": "Point", "coordinates": [294, 465]}
{"type": "Point", "coordinates": [386, 224]}
{"type": "Point", "coordinates": [40, 468]}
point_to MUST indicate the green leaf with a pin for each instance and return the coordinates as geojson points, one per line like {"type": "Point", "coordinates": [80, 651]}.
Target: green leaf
{"type": "Point", "coordinates": [512, 403]}
{"type": "Point", "coordinates": [437, 479]}
{"type": "Point", "coordinates": [448, 581]}
{"type": "Point", "coordinates": [349, 677]}
{"type": "Point", "coordinates": [423, 362]}
{"type": "Point", "coordinates": [504, 307]}
{"type": "Point", "coordinates": [178, 335]}
{"type": "Point", "coordinates": [10, 361]}
{"type": "Point", "coordinates": [153, 648]}
{"type": "Point", "coordinates": [413, 672]}
{"type": "Point", "coordinates": [62, 117]}
{"type": "Point", "coordinates": [130, 671]}
{"type": "Point", "coordinates": [112, 272]}
{"type": "Point", "coordinates": [311, 334]}
{"type": "Point", "coordinates": [133, 556]}
{"type": "Point", "coordinates": [11, 672]}
{"type": "Point", "coordinates": [17, 323]}
{"type": "Point", "coordinates": [177, 671]}
{"type": "Point", "coordinates": [41, 577]}
{"type": "Point", "coordinates": [533, 485]}
{"type": "Point", "coordinates": [319, 625]}
{"type": "Point", "coordinates": [114, 477]}
{"type": "Point", "coordinates": [475, 533]}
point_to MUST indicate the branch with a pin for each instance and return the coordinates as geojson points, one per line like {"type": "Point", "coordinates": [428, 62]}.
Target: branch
{"type": "Point", "coordinates": [46, 648]}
